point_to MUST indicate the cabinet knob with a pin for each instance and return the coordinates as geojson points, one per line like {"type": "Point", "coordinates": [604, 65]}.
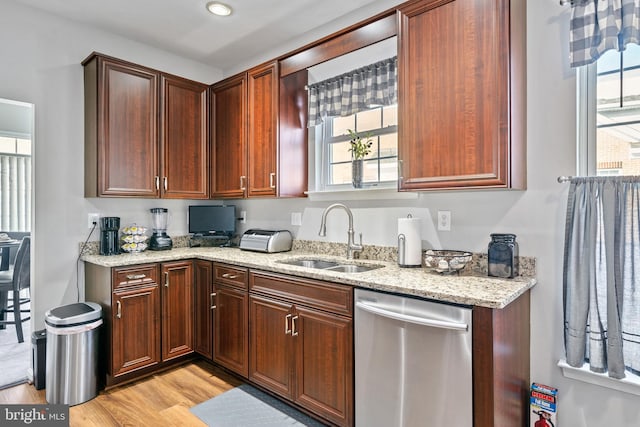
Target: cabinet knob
{"type": "Point", "coordinates": [165, 182]}
{"type": "Point", "coordinates": [157, 182]}
{"type": "Point", "coordinates": [272, 180]}
{"type": "Point", "coordinates": [166, 279]}
{"type": "Point", "coordinates": [294, 332]}
{"type": "Point", "coordinates": [119, 310]}
{"type": "Point", "coordinates": [242, 183]}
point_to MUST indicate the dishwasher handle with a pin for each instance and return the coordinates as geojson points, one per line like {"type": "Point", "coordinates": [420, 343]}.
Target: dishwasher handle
{"type": "Point", "coordinates": [375, 309]}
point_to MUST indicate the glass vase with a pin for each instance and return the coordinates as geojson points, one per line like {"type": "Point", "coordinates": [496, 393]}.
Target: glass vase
{"type": "Point", "coordinates": [356, 173]}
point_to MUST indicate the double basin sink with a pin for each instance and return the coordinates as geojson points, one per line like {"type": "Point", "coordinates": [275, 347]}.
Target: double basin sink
{"type": "Point", "coordinates": [321, 264]}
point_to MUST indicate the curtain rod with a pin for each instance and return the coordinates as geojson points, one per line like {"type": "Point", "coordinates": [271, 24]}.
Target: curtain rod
{"type": "Point", "coordinates": [563, 179]}
{"type": "Point", "coordinates": [563, 2]}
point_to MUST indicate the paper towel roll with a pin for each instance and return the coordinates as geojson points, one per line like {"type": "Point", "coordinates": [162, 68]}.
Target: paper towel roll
{"type": "Point", "coordinates": [411, 229]}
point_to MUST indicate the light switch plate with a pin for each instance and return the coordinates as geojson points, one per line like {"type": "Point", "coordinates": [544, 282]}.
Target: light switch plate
{"type": "Point", "coordinates": [296, 218]}
{"type": "Point", "coordinates": [444, 220]}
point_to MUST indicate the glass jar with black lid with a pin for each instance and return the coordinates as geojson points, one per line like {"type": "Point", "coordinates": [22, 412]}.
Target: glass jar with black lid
{"type": "Point", "coordinates": [502, 255]}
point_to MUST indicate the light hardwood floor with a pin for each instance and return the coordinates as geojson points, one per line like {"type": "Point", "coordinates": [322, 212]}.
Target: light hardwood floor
{"type": "Point", "coordinates": [163, 399]}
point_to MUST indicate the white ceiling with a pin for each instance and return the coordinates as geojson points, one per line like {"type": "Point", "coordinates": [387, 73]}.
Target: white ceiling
{"type": "Point", "coordinates": [186, 28]}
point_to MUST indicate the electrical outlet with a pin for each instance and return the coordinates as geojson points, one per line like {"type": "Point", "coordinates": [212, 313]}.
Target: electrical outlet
{"type": "Point", "coordinates": [93, 218]}
{"type": "Point", "coordinates": [444, 220]}
{"type": "Point", "coordinates": [243, 217]}
{"type": "Point", "coordinates": [296, 218]}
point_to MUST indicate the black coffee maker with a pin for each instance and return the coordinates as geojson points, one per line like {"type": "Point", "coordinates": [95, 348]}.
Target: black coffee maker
{"type": "Point", "coordinates": [109, 226]}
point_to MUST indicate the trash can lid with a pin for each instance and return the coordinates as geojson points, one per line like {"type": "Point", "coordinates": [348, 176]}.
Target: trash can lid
{"type": "Point", "coordinates": [73, 314]}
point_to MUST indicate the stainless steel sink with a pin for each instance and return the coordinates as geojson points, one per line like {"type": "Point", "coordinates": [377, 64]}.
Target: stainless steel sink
{"type": "Point", "coordinates": [352, 268]}
{"type": "Point", "coordinates": [312, 263]}
{"type": "Point", "coordinates": [322, 264]}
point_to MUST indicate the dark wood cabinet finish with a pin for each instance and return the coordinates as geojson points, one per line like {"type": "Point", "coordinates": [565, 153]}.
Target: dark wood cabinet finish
{"type": "Point", "coordinates": [301, 342]}
{"type": "Point", "coordinates": [263, 130]}
{"type": "Point", "coordinates": [184, 139]}
{"type": "Point", "coordinates": [501, 356]}
{"type": "Point", "coordinates": [460, 106]}
{"type": "Point", "coordinates": [130, 335]}
{"type": "Point", "coordinates": [146, 132]}
{"type": "Point", "coordinates": [203, 308]}
{"type": "Point", "coordinates": [121, 129]}
{"type": "Point", "coordinates": [228, 138]}
{"type": "Point", "coordinates": [177, 309]}
{"type": "Point", "coordinates": [231, 318]}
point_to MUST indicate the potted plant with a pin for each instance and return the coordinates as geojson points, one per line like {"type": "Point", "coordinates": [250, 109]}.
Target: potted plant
{"type": "Point", "coordinates": [360, 148]}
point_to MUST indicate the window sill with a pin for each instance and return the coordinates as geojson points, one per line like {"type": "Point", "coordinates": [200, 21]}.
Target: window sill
{"type": "Point", "coordinates": [630, 384]}
{"type": "Point", "coordinates": [361, 194]}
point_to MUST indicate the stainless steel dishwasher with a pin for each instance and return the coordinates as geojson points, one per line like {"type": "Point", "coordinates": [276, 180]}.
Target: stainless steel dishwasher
{"type": "Point", "coordinates": [412, 362]}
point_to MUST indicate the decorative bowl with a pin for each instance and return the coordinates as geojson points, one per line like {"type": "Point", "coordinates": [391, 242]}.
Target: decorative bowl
{"type": "Point", "coordinates": [446, 261]}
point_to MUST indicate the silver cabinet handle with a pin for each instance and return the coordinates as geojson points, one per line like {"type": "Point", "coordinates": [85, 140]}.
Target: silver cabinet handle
{"type": "Point", "coordinates": [119, 310]}
{"type": "Point", "coordinates": [242, 182]}
{"type": "Point", "coordinates": [287, 331]}
{"type": "Point", "coordinates": [165, 183]}
{"type": "Point", "coordinates": [166, 279]}
{"type": "Point", "coordinates": [294, 333]}
{"type": "Point", "coordinates": [157, 182]}
{"type": "Point", "coordinates": [213, 303]}
{"type": "Point", "coordinates": [272, 180]}
{"type": "Point", "coordinates": [136, 276]}
{"type": "Point", "coordinates": [374, 308]}
{"type": "Point", "coordinates": [229, 276]}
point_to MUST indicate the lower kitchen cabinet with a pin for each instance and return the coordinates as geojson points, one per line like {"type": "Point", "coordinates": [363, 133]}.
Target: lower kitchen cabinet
{"type": "Point", "coordinates": [147, 321]}
{"type": "Point", "coordinates": [135, 336]}
{"type": "Point", "coordinates": [177, 309]}
{"type": "Point", "coordinates": [231, 318]}
{"type": "Point", "coordinates": [203, 308]}
{"type": "Point", "coordinates": [301, 342]}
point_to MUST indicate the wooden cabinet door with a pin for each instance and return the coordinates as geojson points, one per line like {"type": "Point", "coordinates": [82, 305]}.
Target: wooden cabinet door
{"type": "Point", "coordinates": [127, 146]}
{"type": "Point", "coordinates": [177, 309]}
{"type": "Point", "coordinates": [231, 326]}
{"type": "Point", "coordinates": [184, 139]}
{"type": "Point", "coordinates": [135, 333]}
{"type": "Point", "coordinates": [324, 364]}
{"type": "Point", "coordinates": [228, 137]}
{"type": "Point", "coordinates": [455, 128]}
{"type": "Point", "coordinates": [203, 308]}
{"type": "Point", "coordinates": [263, 130]}
{"type": "Point", "coordinates": [270, 351]}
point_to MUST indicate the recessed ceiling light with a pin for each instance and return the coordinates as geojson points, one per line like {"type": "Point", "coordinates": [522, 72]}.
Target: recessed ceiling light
{"type": "Point", "coordinates": [218, 8]}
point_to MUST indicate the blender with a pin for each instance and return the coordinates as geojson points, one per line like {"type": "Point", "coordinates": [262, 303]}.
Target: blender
{"type": "Point", "coordinates": [159, 240]}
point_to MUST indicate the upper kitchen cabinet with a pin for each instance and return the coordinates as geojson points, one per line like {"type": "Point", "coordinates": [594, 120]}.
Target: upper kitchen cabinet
{"type": "Point", "coordinates": [228, 134]}
{"type": "Point", "coordinates": [145, 132]}
{"type": "Point", "coordinates": [253, 155]}
{"type": "Point", "coordinates": [461, 94]}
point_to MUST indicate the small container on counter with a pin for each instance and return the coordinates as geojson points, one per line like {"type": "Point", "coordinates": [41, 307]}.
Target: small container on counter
{"type": "Point", "coordinates": [502, 256]}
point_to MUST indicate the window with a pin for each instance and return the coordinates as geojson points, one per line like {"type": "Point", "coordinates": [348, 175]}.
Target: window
{"type": "Point", "coordinates": [15, 183]}
{"type": "Point", "coordinates": [381, 166]}
{"type": "Point", "coordinates": [610, 98]}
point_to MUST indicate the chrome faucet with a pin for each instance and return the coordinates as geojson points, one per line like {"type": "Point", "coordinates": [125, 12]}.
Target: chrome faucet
{"type": "Point", "coordinates": [352, 247]}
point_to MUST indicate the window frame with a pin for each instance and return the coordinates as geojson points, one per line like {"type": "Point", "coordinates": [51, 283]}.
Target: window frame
{"type": "Point", "coordinates": [324, 162]}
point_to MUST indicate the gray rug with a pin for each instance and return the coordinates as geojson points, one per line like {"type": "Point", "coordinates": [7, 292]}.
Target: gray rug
{"type": "Point", "coordinates": [246, 406]}
{"type": "Point", "coordinates": [15, 358]}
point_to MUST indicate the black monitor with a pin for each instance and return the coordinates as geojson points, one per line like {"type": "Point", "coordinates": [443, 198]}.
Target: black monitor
{"type": "Point", "coordinates": [216, 220]}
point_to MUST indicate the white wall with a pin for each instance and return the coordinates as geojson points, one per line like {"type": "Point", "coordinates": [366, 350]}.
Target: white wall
{"type": "Point", "coordinates": [41, 56]}
{"type": "Point", "coordinates": [45, 70]}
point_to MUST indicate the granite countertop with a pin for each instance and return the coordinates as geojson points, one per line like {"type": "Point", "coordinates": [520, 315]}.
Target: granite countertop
{"type": "Point", "coordinates": [474, 289]}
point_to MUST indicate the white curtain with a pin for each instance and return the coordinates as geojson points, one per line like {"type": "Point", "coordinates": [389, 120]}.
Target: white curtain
{"type": "Point", "coordinates": [600, 25]}
{"type": "Point", "coordinates": [602, 275]}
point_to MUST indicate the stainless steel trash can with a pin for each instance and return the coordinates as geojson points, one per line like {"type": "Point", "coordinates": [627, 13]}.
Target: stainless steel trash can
{"type": "Point", "coordinates": [72, 353]}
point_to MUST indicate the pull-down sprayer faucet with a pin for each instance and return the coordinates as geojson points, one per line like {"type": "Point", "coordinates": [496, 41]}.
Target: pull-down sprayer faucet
{"type": "Point", "coordinates": [351, 245]}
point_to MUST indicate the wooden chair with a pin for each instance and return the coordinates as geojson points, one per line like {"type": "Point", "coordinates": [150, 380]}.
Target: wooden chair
{"type": "Point", "coordinates": [15, 281]}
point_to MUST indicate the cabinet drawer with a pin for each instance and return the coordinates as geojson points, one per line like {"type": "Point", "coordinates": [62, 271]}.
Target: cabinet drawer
{"type": "Point", "coordinates": [135, 276]}
{"type": "Point", "coordinates": [229, 275]}
{"type": "Point", "coordinates": [325, 296]}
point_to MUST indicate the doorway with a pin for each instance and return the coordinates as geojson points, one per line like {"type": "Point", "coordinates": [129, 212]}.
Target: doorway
{"type": "Point", "coordinates": [16, 201]}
